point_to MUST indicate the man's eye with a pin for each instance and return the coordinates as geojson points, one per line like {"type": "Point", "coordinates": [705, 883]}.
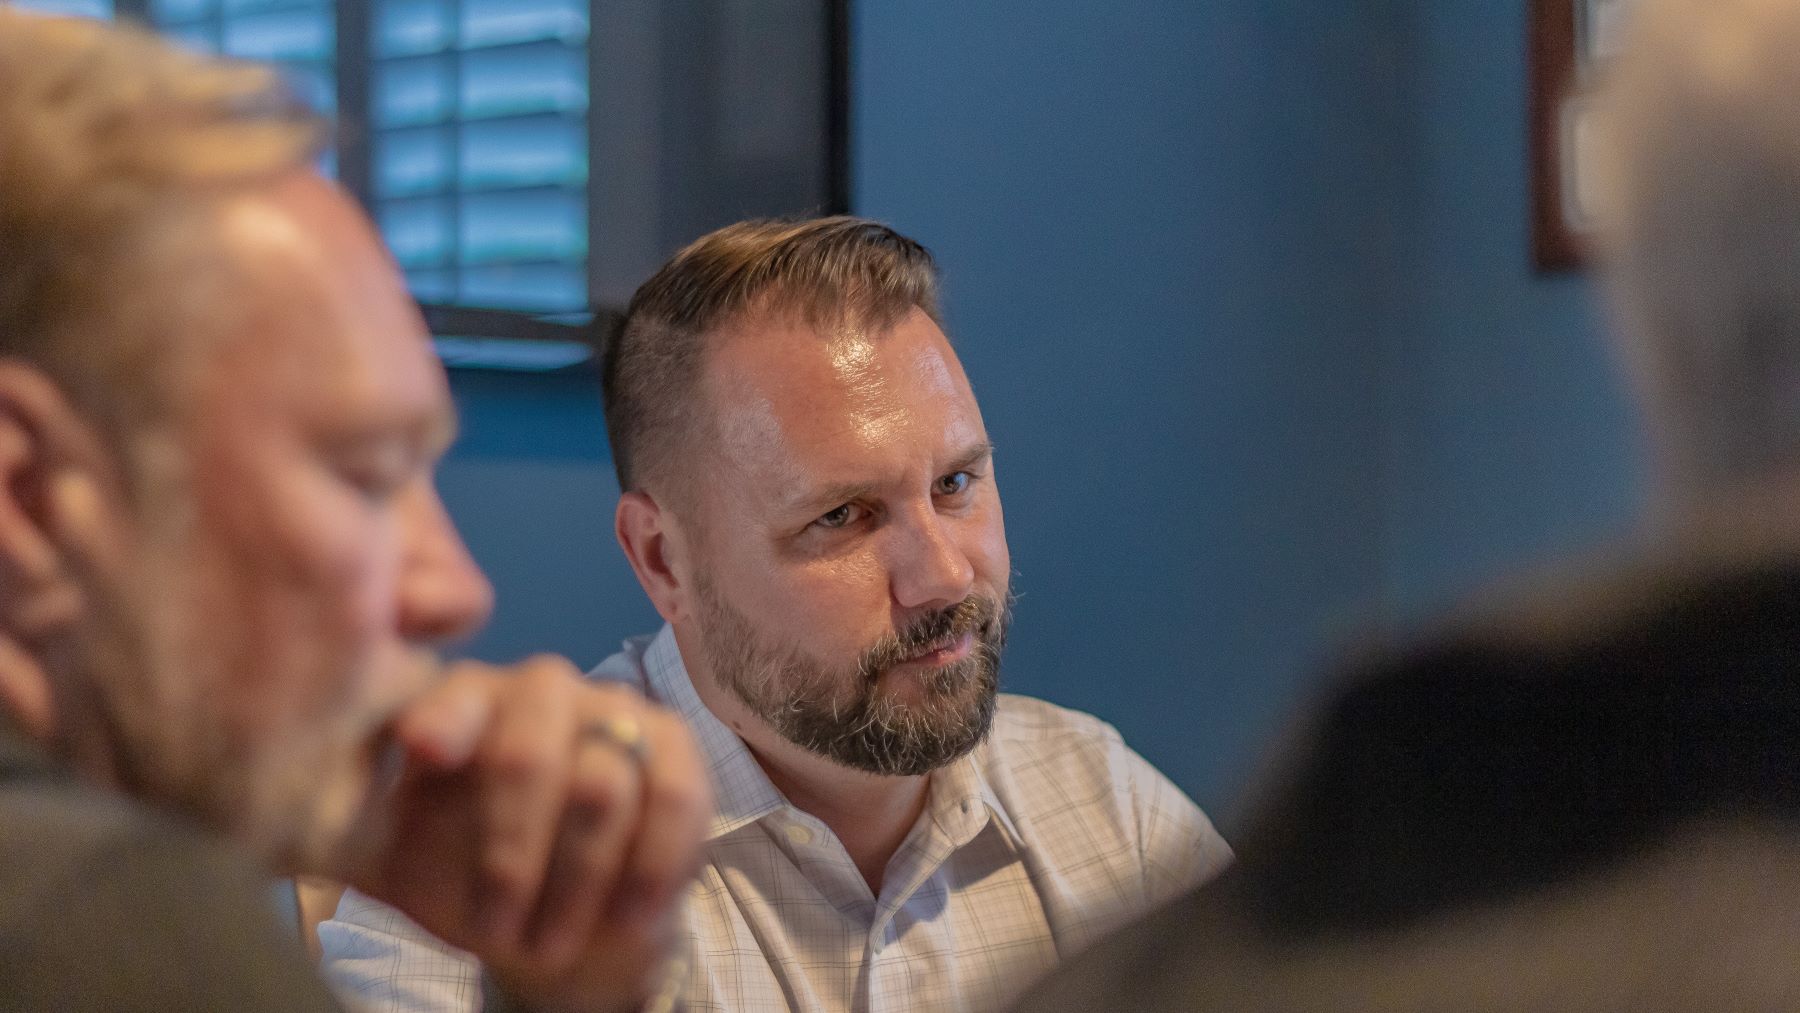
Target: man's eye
{"type": "Point", "coordinates": [839, 517]}
{"type": "Point", "coordinates": [953, 483]}
{"type": "Point", "coordinates": [377, 477]}
{"type": "Point", "coordinates": [377, 486]}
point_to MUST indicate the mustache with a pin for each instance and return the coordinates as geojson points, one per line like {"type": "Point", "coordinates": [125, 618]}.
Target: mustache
{"type": "Point", "coordinates": [936, 629]}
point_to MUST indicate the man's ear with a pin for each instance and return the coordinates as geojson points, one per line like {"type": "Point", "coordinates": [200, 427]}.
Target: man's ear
{"type": "Point", "coordinates": [54, 477]}
{"type": "Point", "coordinates": [657, 549]}
{"type": "Point", "coordinates": [52, 510]}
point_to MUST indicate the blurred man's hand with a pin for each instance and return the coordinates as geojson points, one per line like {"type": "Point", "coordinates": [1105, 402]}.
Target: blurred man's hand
{"type": "Point", "coordinates": [548, 825]}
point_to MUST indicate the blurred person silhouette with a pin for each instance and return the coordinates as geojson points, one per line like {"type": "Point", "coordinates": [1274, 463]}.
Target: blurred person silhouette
{"type": "Point", "coordinates": [223, 562]}
{"type": "Point", "coordinates": [1585, 793]}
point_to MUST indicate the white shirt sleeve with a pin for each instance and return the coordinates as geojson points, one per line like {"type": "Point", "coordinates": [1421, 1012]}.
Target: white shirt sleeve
{"type": "Point", "coordinates": [378, 961]}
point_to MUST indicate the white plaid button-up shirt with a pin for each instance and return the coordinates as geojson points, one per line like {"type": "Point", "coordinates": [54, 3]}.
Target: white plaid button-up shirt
{"type": "Point", "coordinates": [1044, 838]}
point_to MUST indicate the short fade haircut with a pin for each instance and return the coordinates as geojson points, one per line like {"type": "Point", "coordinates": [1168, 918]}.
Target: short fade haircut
{"type": "Point", "coordinates": [825, 272]}
{"type": "Point", "coordinates": [112, 142]}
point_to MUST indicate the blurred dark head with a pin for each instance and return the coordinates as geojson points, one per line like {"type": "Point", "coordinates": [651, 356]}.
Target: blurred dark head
{"type": "Point", "coordinates": [1587, 802]}
{"type": "Point", "coordinates": [1700, 238]}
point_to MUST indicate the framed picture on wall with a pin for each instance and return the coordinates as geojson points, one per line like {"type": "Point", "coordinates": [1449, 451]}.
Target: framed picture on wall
{"type": "Point", "coordinates": [1571, 44]}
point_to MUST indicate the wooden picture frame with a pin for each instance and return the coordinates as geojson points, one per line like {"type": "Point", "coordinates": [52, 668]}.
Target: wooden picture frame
{"type": "Point", "coordinates": [1554, 243]}
{"type": "Point", "coordinates": [1571, 41]}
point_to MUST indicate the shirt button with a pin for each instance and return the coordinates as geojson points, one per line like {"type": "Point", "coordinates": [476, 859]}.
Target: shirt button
{"type": "Point", "coordinates": [799, 834]}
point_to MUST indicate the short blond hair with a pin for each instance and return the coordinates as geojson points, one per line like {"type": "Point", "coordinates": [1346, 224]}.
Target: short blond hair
{"type": "Point", "coordinates": [826, 272]}
{"type": "Point", "coordinates": [111, 143]}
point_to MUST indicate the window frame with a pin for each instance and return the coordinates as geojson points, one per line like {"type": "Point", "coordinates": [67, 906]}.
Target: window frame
{"type": "Point", "coordinates": [353, 70]}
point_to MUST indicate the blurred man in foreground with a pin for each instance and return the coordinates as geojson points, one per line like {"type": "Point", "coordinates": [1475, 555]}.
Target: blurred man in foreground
{"type": "Point", "coordinates": [812, 505]}
{"type": "Point", "coordinates": [221, 560]}
{"type": "Point", "coordinates": [1591, 800]}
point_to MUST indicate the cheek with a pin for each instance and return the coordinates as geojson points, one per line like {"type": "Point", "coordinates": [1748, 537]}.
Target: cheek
{"type": "Point", "coordinates": [321, 569]}
{"type": "Point", "coordinates": [348, 565]}
{"type": "Point", "coordinates": [988, 553]}
{"type": "Point", "coordinates": [831, 609]}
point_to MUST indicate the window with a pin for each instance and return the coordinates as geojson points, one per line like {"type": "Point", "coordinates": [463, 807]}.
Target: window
{"type": "Point", "coordinates": [533, 160]}
{"type": "Point", "coordinates": [78, 8]}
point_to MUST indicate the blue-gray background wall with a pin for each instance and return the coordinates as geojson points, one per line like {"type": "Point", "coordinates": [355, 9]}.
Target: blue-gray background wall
{"type": "Point", "coordinates": [1509, 439]}
{"type": "Point", "coordinates": [1244, 291]}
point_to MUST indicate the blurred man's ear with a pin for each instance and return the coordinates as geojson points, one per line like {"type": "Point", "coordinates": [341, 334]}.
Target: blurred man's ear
{"type": "Point", "coordinates": [657, 550]}
{"type": "Point", "coordinates": [53, 523]}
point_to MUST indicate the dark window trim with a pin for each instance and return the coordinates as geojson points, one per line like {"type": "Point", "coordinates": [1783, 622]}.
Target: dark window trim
{"type": "Point", "coordinates": [837, 117]}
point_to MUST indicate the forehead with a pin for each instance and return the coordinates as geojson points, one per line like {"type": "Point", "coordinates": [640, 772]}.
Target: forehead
{"type": "Point", "coordinates": [796, 404]}
{"type": "Point", "coordinates": [319, 323]}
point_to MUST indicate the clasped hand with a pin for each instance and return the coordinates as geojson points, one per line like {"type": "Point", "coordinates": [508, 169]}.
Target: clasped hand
{"type": "Point", "coordinates": [547, 824]}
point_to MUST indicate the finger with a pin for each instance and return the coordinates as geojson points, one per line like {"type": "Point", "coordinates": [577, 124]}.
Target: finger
{"type": "Point", "coordinates": [602, 815]}
{"type": "Point", "coordinates": [434, 838]}
{"type": "Point", "coordinates": [677, 806]}
{"type": "Point", "coordinates": [522, 766]}
{"type": "Point", "coordinates": [442, 727]}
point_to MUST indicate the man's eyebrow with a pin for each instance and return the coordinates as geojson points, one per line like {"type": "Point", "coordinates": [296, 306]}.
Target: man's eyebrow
{"type": "Point", "coordinates": [831, 496]}
{"type": "Point", "coordinates": [972, 456]}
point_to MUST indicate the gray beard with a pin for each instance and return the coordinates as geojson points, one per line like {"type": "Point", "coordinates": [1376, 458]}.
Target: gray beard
{"type": "Point", "coordinates": [843, 715]}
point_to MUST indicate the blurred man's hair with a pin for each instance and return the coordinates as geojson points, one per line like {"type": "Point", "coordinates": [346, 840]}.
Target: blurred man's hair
{"type": "Point", "coordinates": [1701, 232]}
{"type": "Point", "coordinates": [826, 273]}
{"type": "Point", "coordinates": [111, 141]}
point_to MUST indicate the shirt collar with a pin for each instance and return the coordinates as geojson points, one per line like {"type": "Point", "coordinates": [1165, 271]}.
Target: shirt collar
{"type": "Point", "coordinates": [742, 792]}
{"type": "Point", "coordinates": [962, 801]}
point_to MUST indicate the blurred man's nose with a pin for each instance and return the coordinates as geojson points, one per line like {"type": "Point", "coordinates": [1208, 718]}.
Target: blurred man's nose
{"type": "Point", "coordinates": [443, 593]}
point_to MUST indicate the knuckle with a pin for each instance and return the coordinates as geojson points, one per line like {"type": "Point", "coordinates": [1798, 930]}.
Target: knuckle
{"type": "Point", "coordinates": [515, 762]}
{"type": "Point", "coordinates": [658, 876]}
{"type": "Point", "coordinates": [600, 791]}
{"type": "Point", "coordinates": [668, 737]}
{"type": "Point", "coordinates": [468, 671]}
{"type": "Point", "coordinates": [504, 876]}
{"type": "Point", "coordinates": [548, 668]}
{"type": "Point", "coordinates": [681, 801]}
{"type": "Point", "coordinates": [614, 699]}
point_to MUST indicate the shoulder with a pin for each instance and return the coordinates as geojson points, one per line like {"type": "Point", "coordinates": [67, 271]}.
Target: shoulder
{"type": "Point", "coordinates": [1023, 722]}
{"type": "Point", "coordinates": [1541, 733]}
{"type": "Point", "coordinates": [1036, 736]}
{"type": "Point", "coordinates": [1050, 765]}
{"type": "Point", "coordinates": [54, 831]}
{"type": "Point", "coordinates": [111, 904]}
{"type": "Point", "coordinates": [1096, 817]}
{"type": "Point", "coordinates": [1636, 606]}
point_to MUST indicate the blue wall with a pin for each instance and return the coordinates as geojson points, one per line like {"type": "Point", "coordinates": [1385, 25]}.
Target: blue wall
{"type": "Point", "coordinates": [1244, 291]}
{"type": "Point", "coordinates": [530, 483]}
{"type": "Point", "coordinates": [1164, 230]}
{"type": "Point", "coordinates": [1509, 438]}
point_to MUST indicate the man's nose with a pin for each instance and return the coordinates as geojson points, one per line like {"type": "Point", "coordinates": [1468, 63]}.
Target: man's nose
{"type": "Point", "coordinates": [929, 568]}
{"type": "Point", "coordinates": [443, 593]}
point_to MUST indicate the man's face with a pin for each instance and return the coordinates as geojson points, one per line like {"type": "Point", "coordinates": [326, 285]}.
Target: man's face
{"type": "Point", "coordinates": [852, 572]}
{"type": "Point", "coordinates": [291, 555]}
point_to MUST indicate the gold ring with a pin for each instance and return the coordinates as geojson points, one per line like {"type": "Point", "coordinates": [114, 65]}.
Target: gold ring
{"type": "Point", "coordinates": [620, 732]}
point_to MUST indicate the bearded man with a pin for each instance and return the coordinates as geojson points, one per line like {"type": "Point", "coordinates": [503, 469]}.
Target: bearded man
{"type": "Point", "coordinates": [811, 503]}
{"type": "Point", "coordinates": [223, 563]}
